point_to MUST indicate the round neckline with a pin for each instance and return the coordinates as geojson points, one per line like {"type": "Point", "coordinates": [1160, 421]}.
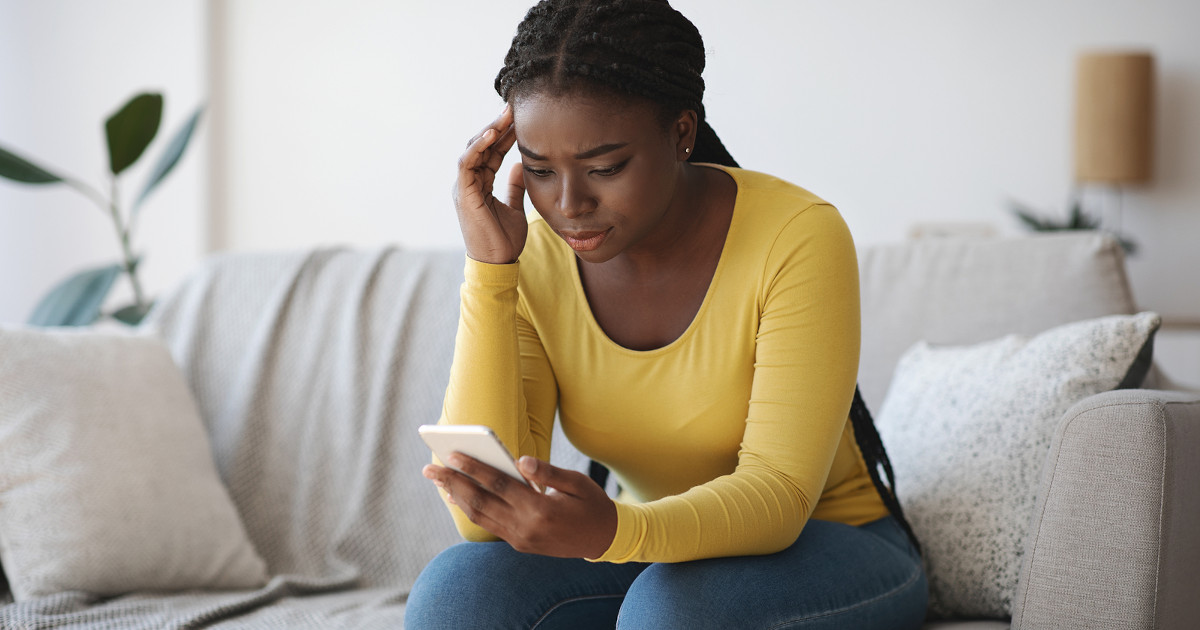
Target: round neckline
{"type": "Point", "coordinates": [594, 326]}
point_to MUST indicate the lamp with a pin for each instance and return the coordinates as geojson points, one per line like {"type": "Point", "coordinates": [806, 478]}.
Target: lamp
{"type": "Point", "coordinates": [1114, 117]}
{"type": "Point", "coordinates": [1114, 120]}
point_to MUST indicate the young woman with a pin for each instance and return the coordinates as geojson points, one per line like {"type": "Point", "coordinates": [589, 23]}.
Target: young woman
{"type": "Point", "coordinates": [696, 328]}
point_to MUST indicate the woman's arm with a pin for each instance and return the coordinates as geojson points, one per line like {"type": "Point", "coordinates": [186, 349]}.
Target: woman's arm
{"type": "Point", "coordinates": [806, 363]}
{"type": "Point", "coordinates": [495, 357]}
{"type": "Point", "coordinates": [500, 376]}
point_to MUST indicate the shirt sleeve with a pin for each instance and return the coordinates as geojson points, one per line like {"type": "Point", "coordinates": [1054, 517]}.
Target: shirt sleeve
{"type": "Point", "coordinates": [806, 365]}
{"type": "Point", "coordinates": [500, 376]}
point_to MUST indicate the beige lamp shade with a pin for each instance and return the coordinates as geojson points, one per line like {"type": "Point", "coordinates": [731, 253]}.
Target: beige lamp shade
{"type": "Point", "coordinates": [1114, 117]}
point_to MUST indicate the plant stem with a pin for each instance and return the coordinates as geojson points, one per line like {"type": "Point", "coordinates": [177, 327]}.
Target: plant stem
{"type": "Point", "coordinates": [89, 192]}
{"type": "Point", "coordinates": [130, 262]}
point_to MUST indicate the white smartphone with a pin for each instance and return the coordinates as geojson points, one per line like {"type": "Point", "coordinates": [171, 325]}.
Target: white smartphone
{"type": "Point", "coordinates": [472, 440]}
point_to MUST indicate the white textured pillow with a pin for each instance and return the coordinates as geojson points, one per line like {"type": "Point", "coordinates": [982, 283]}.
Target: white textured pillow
{"type": "Point", "coordinates": [967, 430]}
{"type": "Point", "coordinates": [107, 483]}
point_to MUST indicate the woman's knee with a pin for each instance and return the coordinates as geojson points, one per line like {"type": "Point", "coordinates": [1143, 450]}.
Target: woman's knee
{"type": "Point", "coordinates": [459, 584]}
{"type": "Point", "coordinates": [835, 576]}
{"type": "Point", "coordinates": [491, 585]}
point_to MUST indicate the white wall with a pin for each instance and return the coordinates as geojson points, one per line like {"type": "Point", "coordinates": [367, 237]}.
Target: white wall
{"type": "Point", "coordinates": [341, 122]}
{"type": "Point", "coordinates": [65, 66]}
{"type": "Point", "coordinates": [344, 120]}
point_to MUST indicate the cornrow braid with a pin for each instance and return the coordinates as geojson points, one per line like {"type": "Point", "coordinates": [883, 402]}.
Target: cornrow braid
{"type": "Point", "coordinates": [646, 49]}
{"type": "Point", "coordinates": [640, 48]}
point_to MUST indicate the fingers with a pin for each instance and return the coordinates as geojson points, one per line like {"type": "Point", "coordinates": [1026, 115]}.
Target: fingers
{"type": "Point", "coordinates": [480, 506]}
{"type": "Point", "coordinates": [516, 187]}
{"type": "Point", "coordinates": [476, 154]}
{"type": "Point", "coordinates": [502, 122]}
{"type": "Point", "coordinates": [478, 484]}
{"type": "Point", "coordinates": [485, 153]}
{"type": "Point", "coordinates": [566, 481]}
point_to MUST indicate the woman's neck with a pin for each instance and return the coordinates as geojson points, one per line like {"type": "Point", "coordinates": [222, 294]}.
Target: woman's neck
{"type": "Point", "coordinates": [696, 218]}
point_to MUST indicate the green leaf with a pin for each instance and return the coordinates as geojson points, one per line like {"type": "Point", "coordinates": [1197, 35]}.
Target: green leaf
{"type": "Point", "coordinates": [131, 314]}
{"type": "Point", "coordinates": [170, 155]}
{"type": "Point", "coordinates": [1034, 223]}
{"type": "Point", "coordinates": [17, 168]}
{"type": "Point", "coordinates": [1080, 220]}
{"type": "Point", "coordinates": [130, 130]}
{"type": "Point", "coordinates": [76, 301]}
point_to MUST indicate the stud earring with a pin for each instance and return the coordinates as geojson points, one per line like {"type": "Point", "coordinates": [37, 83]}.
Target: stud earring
{"type": "Point", "coordinates": [687, 150]}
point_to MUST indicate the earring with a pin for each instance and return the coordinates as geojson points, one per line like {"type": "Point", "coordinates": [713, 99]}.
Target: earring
{"type": "Point", "coordinates": [687, 150]}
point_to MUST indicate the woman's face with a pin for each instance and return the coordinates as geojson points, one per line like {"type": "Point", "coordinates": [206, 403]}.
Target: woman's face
{"type": "Point", "coordinates": [602, 172]}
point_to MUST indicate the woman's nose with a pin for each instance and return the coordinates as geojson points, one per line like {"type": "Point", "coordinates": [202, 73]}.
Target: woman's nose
{"type": "Point", "coordinates": [573, 198]}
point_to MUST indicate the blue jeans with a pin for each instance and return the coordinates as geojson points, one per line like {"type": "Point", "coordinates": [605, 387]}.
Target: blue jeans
{"type": "Point", "coordinates": [833, 576]}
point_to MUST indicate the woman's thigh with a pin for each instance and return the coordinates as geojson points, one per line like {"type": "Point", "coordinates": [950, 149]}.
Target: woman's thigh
{"type": "Point", "coordinates": [833, 576]}
{"type": "Point", "coordinates": [490, 585]}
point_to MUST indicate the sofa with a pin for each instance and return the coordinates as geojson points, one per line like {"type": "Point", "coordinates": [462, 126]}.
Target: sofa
{"type": "Point", "coordinates": [312, 370]}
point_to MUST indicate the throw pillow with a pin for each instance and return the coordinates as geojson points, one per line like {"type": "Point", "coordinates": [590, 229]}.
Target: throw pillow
{"type": "Point", "coordinates": [968, 430]}
{"type": "Point", "coordinates": [107, 483]}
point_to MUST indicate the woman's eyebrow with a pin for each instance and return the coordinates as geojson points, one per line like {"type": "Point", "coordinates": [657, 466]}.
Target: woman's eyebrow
{"type": "Point", "coordinates": [590, 153]}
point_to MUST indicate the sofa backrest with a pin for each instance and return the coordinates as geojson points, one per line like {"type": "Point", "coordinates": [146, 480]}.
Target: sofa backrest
{"type": "Point", "coordinates": [312, 372]}
{"type": "Point", "coordinates": [959, 291]}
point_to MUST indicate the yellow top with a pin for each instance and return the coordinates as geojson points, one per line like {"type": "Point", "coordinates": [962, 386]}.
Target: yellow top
{"type": "Point", "coordinates": [725, 441]}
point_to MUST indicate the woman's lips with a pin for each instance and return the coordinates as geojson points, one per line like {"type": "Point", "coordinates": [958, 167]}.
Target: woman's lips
{"type": "Point", "coordinates": [585, 241]}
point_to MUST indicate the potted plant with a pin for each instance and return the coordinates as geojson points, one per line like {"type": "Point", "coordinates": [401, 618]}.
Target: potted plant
{"type": "Point", "coordinates": [77, 300]}
{"type": "Point", "coordinates": [1076, 219]}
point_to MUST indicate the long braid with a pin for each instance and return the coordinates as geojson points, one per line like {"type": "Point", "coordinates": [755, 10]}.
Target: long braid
{"type": "Point", "coordinates": [645, 49]}
{"type": "Point", "coordinates": [876, 457]}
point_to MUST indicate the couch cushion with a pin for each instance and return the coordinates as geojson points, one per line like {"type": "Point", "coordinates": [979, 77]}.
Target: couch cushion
{"type": "Point", "coordinates": [107, 484]}
{"type": "Point", "coordinates": [968, 428]}
{"type": "Point", "coordinates": [959, 291]}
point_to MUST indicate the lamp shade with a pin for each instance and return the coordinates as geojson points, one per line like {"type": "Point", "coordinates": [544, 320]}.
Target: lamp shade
{"type": "Point", "coordinates": [1114, 117]}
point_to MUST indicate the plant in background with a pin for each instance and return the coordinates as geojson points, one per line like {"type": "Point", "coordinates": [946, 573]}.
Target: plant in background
{"type": "Point", "coordinates": [1076, 219]}
{"type": "Point", "coordinates": [77, 301]}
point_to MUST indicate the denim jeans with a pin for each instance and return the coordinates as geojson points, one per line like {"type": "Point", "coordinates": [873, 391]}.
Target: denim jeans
{"type": "Point", "coordinates": [833, 576]}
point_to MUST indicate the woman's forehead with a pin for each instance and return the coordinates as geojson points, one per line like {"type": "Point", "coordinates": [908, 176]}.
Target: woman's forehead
{"type": "Point", "coordinates": [573, 123]}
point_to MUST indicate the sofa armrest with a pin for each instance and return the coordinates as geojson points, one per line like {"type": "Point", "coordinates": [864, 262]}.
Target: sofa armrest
{"type": "Point", "coordinates": [1113, 541]}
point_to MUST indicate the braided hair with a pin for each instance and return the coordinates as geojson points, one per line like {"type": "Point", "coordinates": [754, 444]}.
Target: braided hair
{"type": "Point", "coordinates": [645, 49]}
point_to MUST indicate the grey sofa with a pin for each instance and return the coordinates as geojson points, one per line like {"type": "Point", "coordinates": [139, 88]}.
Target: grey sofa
{"type": "Point", "coordinates": [312, 371]}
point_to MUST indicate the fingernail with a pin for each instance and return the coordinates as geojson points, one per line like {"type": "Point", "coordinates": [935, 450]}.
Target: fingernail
{"type": "Point", "coordinates": [450, 500]}
{"type": "Point", "coordinates": [456, 461]}
{"type": "Point", "coordinates": [528, 464]}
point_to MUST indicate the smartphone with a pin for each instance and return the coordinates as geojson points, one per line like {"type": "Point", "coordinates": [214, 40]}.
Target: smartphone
{"type": "Point", "coordinates": [472, 440]}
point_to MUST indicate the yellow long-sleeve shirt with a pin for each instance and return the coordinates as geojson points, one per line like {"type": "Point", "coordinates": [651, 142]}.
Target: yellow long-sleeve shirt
{"type": "Point", "coordinates": [725, 441]}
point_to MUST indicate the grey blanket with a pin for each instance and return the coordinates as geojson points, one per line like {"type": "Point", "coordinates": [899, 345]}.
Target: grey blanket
{"type": "Point", "coordinates": [312, 372]}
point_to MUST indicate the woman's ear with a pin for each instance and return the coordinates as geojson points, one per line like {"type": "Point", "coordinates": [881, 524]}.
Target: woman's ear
{"type": "Point", "coordinates": [683, 132]}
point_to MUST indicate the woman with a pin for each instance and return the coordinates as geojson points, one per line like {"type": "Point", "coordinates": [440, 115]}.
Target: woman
{"type": "Point", "coordinates": [696, 328]}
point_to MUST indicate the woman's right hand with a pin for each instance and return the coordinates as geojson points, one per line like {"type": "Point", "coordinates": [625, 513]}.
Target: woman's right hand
{"type": "Point", "coordinates": [494, 232]}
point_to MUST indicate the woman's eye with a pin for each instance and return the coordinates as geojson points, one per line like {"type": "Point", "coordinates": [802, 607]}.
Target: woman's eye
{"type": "Point", "coordinates": [610, 171]}
{"type": "Point", "coordinates": [537, 172]}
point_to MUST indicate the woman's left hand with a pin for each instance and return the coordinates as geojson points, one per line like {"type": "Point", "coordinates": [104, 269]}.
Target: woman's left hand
{"type": "Point", "coordinates": [573, 519]}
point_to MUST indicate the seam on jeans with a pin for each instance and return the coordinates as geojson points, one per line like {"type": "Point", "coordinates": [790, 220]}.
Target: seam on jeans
{"type": "Point", "coordinates": [907, 583]}
{"type": "Point", "coordinates": [570, 601]}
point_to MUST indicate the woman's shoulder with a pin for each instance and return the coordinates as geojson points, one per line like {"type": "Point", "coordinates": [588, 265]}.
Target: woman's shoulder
{"type": "Point", "coordinates": [773, 209]}
{"type": "Point", "coordinates": [760, 188]}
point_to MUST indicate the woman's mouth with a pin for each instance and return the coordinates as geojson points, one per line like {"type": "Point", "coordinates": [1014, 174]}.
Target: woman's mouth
{"type": "Point", "coordinates": [585, 241]}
